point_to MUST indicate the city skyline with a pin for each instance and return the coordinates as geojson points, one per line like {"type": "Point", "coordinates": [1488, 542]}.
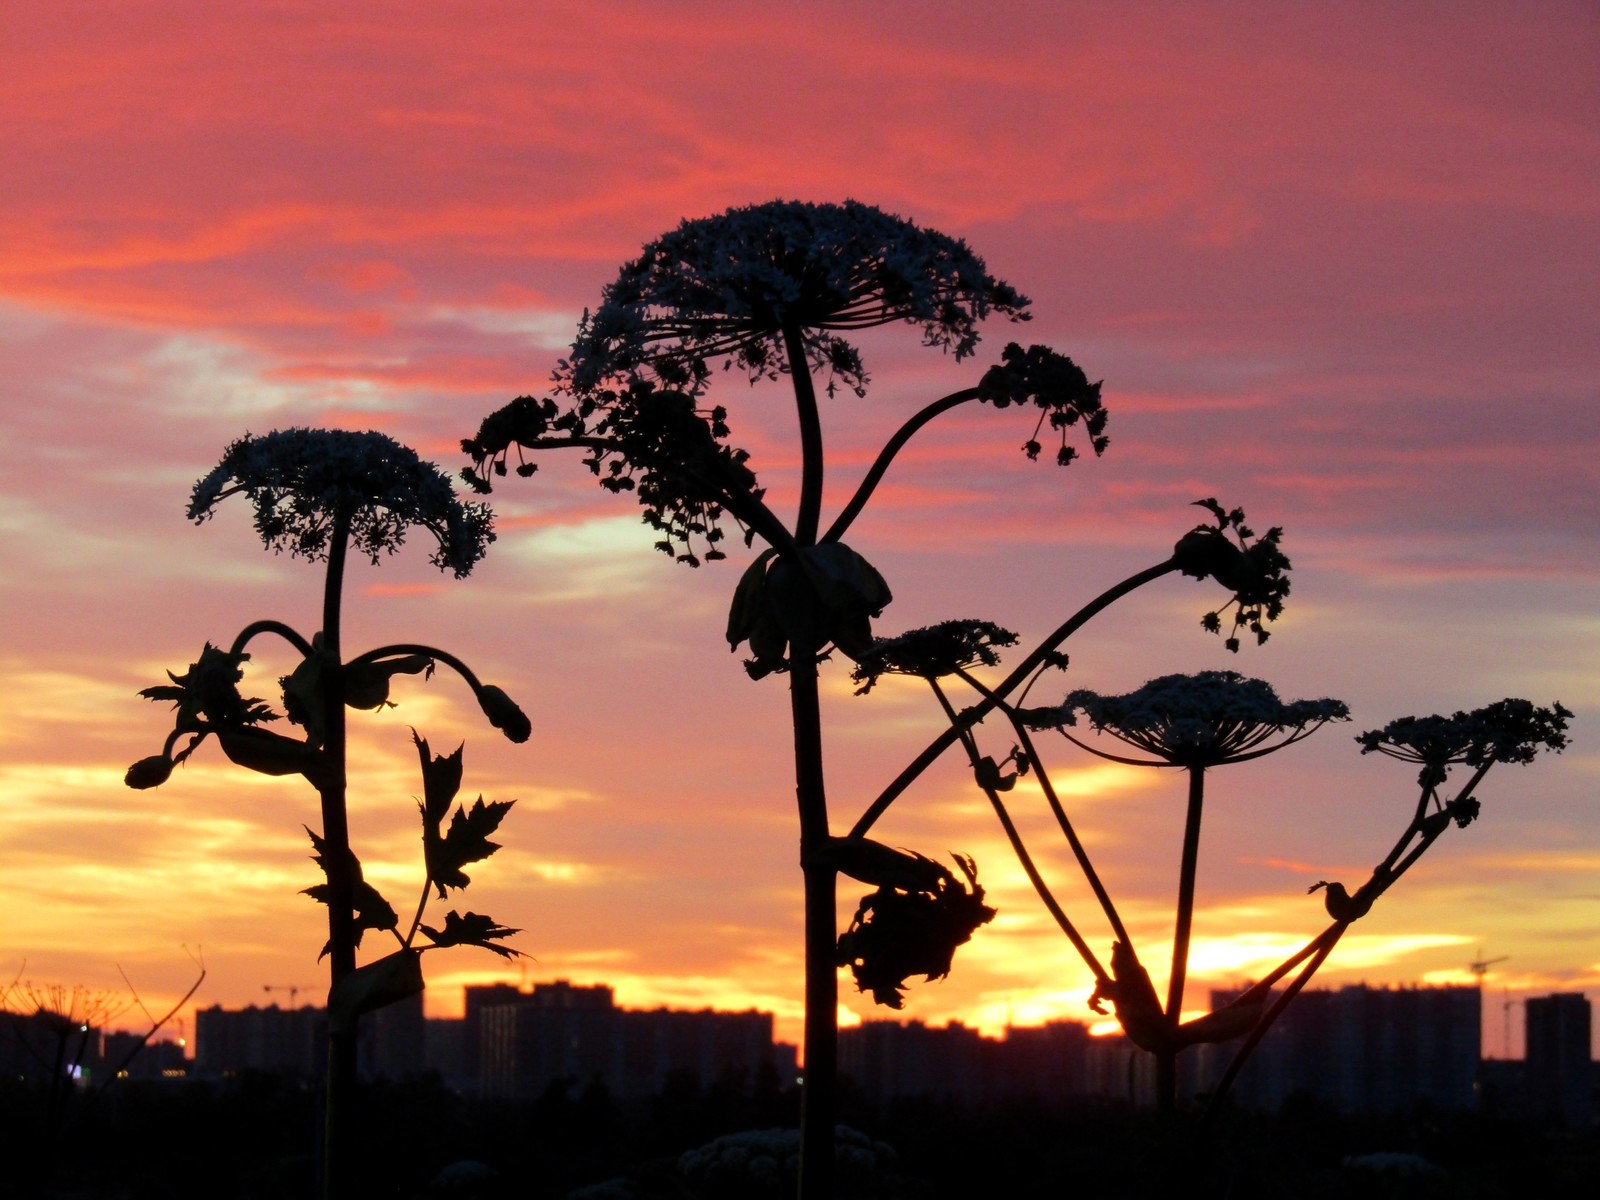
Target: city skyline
{"type": "Point", "coordinates": [1335, 267]}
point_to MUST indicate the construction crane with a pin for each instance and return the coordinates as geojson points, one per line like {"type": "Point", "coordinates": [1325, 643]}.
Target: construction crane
{"type": "Point", "coordinates": [292, 988]}
{"type": "Point", "coordinates": [1480, 966]}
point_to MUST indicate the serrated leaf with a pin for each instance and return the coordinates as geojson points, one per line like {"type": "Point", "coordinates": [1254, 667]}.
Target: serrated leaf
{"type": "Point", "coordinates": [466, 841]}
{"type": "Point", "coordinates": [369, 908]}
{"type": "Point", "coordinates": [473, 929]}
{"type": "Point", "coordinates": [441, 780]}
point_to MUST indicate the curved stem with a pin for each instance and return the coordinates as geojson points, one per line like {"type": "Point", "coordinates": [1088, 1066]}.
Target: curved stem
{"type": "Point", "coordinates": [256, 628]}
{"type": "Point", "coordinates": [1324, 942]}
{"type": "Point", "coordinates": [1020, 849]}
{"type": "Point", "coordinates": [805, 396]}
{"type": "Point", "coordinates": [880, 466]}
{"type": "Point", "coordinates": [1186, 877]}
{"type": "Point", "coordinates": [416, 921]}
{"type": "Point", "coordinates": [1043, 889]}
{"type": "Point", "coordinates": [403, 648]}
{"type": "Point", "coordinates": [1028, 665]}
{"type": "Point", "coordinates": [1078, 850]}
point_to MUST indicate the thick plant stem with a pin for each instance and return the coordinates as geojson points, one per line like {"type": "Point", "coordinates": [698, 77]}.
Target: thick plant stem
{"type": "Point", "coordinates": [339, 865]}
{"type": "Point", "coordinates": [805, 396]}
{"type": "Point", "coordinates": [1167, 1061]}
{"type": "Point", "coordinates": [1186, 875]}
{"type": "Point", "coordinates": [819, 1097]}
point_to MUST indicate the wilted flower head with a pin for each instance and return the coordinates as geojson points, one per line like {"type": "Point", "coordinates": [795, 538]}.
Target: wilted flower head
{"type": "Point", "coordinates": [727, 287]}
{"type": "Point", "coordinates": [1201, 720]}
{"type": "Point", "coordinates": [912, 927]}
{"type": "Point", "coordinates": [1509, 730]}
{"type": "Point", "coordinates": [301, 480]}
{"type": "Point", "coordinates": [933, 651]}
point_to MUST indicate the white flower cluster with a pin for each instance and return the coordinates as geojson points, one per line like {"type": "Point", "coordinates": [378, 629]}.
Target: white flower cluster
{"type": "Point", "coordinates": [1204, 719]}
{"type": "Point", "coordinates": [302, 481]}
{"type": "Point", "coordinates": [729, 285]}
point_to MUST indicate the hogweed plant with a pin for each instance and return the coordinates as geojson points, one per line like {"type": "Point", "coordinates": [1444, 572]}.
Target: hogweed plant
{"type": "Point", "coordinates": [318, 494]}
{"type": "Point", "coordinates": [1254, 572]}
{"type": "Point", "coordinates": [1197, 723]}
{"type": "Point", "coordinates": [770, 293]}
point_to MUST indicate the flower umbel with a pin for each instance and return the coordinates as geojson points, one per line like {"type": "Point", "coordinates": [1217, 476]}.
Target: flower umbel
{"type": "Point", "coordinates": [933, 651]}
{"type": "Point", "coordinates": [728, 286]}
{"type": "Point", "coordinates": [1201, 720]}
{"type": "Point", "coordinates": [1509, 730]}
{"type": "Point", "coordinates": [301, 481]}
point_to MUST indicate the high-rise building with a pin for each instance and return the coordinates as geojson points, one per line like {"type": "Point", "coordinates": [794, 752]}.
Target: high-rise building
{"type": "Point", "coordinates": [1559, 1077]}
{"type": "Point", "coordinates": [560, 1031]}
{"type": "Point", "coordinates": [285, 1041]}
{"type": "Point", "coordinates": [1362, 1049]}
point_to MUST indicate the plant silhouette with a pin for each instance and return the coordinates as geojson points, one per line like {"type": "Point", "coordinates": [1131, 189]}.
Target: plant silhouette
{"type": "Point", "coordinates": [317, 494]}
{"type": "Point", "coordinates": [1196, 724]}
{"type": "Point", "coordinates": [771, 292]}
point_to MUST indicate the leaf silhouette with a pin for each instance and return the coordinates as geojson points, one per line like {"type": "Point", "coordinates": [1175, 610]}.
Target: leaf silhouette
{"type": "Point", "coordinates": [466, 841]}
{"type": "Point", "coordinates": [366, 684]}
{"type": "Point", "coordinates": [441, 780]}
{"type": "Point", "coordinates": [474, 929]}
{"type": "Point", "coordinates": [371, 910]}
{"type": "Point", "coordinates": [374, 985]}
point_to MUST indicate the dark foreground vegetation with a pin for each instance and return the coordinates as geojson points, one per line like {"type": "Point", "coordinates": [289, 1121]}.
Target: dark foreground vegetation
{"type": "Point", "coordinates": [254, 1138]}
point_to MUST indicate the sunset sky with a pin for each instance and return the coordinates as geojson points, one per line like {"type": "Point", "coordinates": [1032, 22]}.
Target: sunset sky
{"type": "Point", "coordinates": [1339, 266]}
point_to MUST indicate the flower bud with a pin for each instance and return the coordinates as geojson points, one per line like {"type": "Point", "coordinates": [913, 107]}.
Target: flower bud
{"type": "Point", "coordinates": [504, 714]}
{"type": "Point", "coordinates": [149, 772]}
